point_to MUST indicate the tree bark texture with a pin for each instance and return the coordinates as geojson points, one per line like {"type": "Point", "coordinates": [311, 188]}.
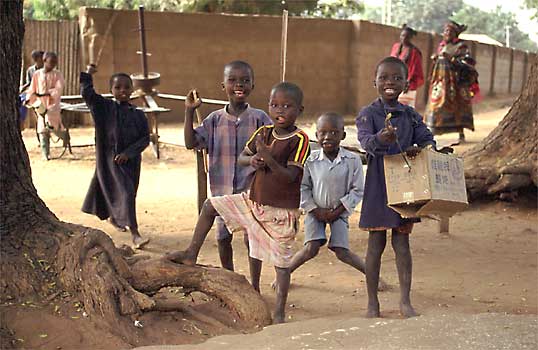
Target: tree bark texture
{"type": "Point", "coordinates": [43, 258]}
{"type": "Point", "coordinates": [506, 161]}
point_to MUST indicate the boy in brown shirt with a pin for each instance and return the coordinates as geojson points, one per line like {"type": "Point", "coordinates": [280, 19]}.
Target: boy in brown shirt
{"type": "Point", "coordinates": [269, 212]}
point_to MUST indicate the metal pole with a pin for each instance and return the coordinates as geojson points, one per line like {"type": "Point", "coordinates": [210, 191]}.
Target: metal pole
{"type": "Point", "coordinates": [143, 40]}
{"type": "Point", "coordinates": [283, 45]}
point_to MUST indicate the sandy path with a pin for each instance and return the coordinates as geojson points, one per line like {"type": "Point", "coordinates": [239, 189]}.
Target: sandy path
{"type": "Point", "coordinates": [487, 263]}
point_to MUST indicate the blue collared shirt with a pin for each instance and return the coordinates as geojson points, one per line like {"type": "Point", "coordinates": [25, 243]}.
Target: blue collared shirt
{"type": "Point", "coordinates": [327, 184]}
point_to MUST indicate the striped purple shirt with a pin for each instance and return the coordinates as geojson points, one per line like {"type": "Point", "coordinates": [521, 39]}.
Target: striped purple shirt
{"type": "Point", "coordinates": [225, 136]}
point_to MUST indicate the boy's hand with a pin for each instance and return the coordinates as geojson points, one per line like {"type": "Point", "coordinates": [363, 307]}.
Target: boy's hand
{"type": "Point", "coordinates": [412, 151]}
{"type": "Point", "coordinates": [91, 69]}
{"type": "Point", "coordinates": [321, 214]}
{"type": "Point", "coordinates": [388, 134]}
{"type": "Point", "coordinates": [257, 162]}
{"type": "Point", "coordinates": [192, 102]}
{"type": "Point", "coordinates": [261, 148]}
{"type": "Point", "coordinates": [121, 159]}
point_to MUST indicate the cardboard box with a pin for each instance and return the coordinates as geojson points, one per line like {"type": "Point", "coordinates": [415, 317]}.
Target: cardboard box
{"type": "Point", "coordinates": [434, 185]}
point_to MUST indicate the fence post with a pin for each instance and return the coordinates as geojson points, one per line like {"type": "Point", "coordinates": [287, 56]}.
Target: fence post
{"type": "Point", "coordinates": [510, 71]}
{"type": "Point", "coordinates": [525, 68]}
{"type": "Point", "coordinates": [428, 70]}
{"type": "Point", "coordinates": [493, 68]}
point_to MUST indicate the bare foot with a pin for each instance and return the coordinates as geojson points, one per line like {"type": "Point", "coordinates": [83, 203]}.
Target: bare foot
{"type": "Point", "coordinates": [278, 318]}
{"type": "Point", "coordinates": [116, 226]}
{"type": "Point", "coordinates": [139, 242]}
{"type": "Point", "coordinates": [373, 311]}
{"type": "Point", "coordinates": [407, 310]}
{"type": "Point", "coordinates": [180, 257]}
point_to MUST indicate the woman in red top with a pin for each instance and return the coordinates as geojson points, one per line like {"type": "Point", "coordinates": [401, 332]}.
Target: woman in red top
{"type": "Point", "coordinates": [412, 57]}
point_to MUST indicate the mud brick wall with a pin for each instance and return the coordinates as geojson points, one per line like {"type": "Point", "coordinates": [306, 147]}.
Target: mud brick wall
{"type": "Point", "coordinates": [332, 60]}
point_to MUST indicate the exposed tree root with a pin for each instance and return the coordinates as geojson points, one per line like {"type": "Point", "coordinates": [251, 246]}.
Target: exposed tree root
{"type": "Point", "coordinates": [506, 161]}
{"type": "Point", "coordinates": [233, 289]}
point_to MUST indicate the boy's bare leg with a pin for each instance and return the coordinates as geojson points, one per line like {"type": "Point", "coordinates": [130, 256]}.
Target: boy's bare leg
{"type": "Point", "coordinates": [404, 264]}
{"type": "Point", "coordinates": [255, 267]}
{"type": "Point", "coordinates": [307, 252]}
{"type": "Point", "coordinates": [226, 253]}
{"type": "Point", "coordinates": [138, 240]}
{"type": "Point", "coordinates": [203, 225]}
{"type": "Point", "coordinates": [376, 245]}
{"type": "Point", "coordinates": [283, 285]}
{"type": "Point", "coordinates": [347, 256]}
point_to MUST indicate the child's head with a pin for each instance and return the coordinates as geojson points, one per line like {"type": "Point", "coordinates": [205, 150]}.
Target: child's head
{"type": "Point", "coordinates": [407, 34]}
{"type": "Point", "coordinates": [329, 132]}
{"type": "Point", "coordinates": [390, 78]}
{"type": "Point", "coordinates": [121, 86]}
{"type": "Point", "coordinates": [285, 105]}
{"type": "Point", "coordinates": [37, 57]}
{"type": "Point", "coordinates": [50, 60]}
{"type": "Point", "coordinates": [238, 81]}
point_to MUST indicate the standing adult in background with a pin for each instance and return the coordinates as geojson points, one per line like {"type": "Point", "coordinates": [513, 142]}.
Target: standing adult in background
{"type": "Point", "coordinates": [412, 57]}
{"type": "Point", "coordinates": [449, 108]}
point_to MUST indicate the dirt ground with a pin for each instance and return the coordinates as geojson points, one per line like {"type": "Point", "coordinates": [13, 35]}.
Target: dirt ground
{"type": "Point", "coordinates": [487, 264]}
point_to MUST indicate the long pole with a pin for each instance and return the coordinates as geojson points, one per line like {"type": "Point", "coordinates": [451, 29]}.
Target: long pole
{"type": "Point", "coordinates": [283, 45]}
{"type": "Point", "coordinates": [142, 29]}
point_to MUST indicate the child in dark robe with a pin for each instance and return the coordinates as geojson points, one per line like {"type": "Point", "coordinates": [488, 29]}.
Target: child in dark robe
{"type": "Point", "coordinates": [388, 127]}
{"type": "Point", "coordinates": [121, 134]}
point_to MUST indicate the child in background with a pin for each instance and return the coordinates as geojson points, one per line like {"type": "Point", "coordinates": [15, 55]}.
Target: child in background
{"type": "Point", "coordinates": [269, 213]}
{"type": "Point", "coordinates": [380, 137]}
{"type": "Point", "coordinates": [121, 134]}
{"type": "Point", "coordinates": [224, 133]}
{"type": "Point", "coordinates": [44, 94]}
{"type": "Point", "coordinates": [37, 57]}
{"type": "Point", "coordinates": [331, 188]}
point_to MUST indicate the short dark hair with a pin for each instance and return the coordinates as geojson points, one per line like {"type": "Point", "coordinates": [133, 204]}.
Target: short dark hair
{"type": "Point", "coordinates": [37, 53]}
{"type": "Point", "coordinates": [119, 75]}
{"type": "Point", "coordinates": [333, 117]}
{"type": "Point", "coordinates": [239, 64]}
{"type": "Point", "coordinates": [291, 89]}
{"type": "Point", "coordinates": [48, 54]}
{"type": "Point", "coordinates": [392, 60]}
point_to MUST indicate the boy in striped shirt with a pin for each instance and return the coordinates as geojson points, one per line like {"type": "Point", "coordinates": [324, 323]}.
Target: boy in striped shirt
{"type": "Point", "coordinates": [269, 212]}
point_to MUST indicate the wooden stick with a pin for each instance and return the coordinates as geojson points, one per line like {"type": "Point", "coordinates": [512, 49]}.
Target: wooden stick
{"type": "Point", "coordinates": [200, 120]}
{"type": "Point", "coordinates": [283, 45]}
{"type": "Point", "coordinates": [105, 38]}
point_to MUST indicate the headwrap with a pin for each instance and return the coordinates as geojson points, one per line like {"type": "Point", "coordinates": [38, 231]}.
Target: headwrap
{"type": "Point", "coordinates": [409, 29]}
{"type": "Point", "coordinates": [458, 28]}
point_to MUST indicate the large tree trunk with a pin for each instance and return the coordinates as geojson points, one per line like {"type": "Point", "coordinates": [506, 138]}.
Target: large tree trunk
{"type": "Point", "coordinates": [506, 161]}
{"type": "Point", "coordinates": [43, 258]}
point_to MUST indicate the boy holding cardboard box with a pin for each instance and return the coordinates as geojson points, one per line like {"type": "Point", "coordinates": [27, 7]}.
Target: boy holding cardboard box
{"type": "Point", "coordinates": [387, 127]}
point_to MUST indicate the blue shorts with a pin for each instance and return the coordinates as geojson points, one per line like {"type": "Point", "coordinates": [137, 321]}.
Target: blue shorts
{"type": "Point", "coordinates": [315, 230]}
